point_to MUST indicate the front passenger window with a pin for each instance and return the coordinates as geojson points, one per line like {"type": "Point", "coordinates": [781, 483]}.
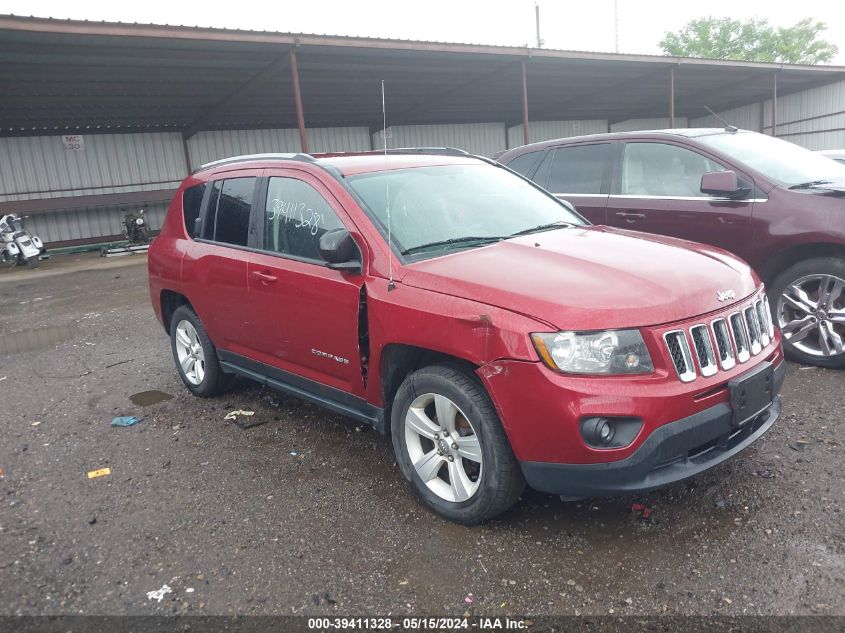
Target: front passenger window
{"type": "Point", "coordinates": [659, 169]}
{"type": "Point", "coordinates": [295, 217]}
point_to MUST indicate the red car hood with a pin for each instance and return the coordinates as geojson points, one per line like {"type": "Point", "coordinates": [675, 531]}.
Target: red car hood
{"type": "Point", "coordinates": [590, 278]}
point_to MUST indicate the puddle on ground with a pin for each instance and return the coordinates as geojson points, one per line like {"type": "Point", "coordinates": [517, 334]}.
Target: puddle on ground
{"type": "Point", "coordinates": [35, 340]}
{"type": "Point", "coordinates": [147, 398]}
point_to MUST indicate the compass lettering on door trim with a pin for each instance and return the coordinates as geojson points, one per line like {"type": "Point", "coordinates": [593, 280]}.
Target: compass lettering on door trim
{"type": "Point", "coordinates": [339, 359]}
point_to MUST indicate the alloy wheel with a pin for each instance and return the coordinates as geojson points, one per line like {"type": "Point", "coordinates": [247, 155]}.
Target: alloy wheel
{"type": "Point", "coordinates": [443, 447]}
{"type": "Point", "coordinates": [189, 352]}
{"type": "Point", "coordinates": [811, 315]}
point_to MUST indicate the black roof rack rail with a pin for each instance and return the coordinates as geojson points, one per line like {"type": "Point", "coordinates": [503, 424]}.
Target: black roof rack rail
{"type": "Point", "coordinates": [306, 158]}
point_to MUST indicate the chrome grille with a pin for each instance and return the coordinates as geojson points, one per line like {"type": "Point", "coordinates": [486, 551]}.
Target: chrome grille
{"type": "Point", "coordinates": [770, 322]}
{"type": "Point", "coordinates": [743, 350]}
{"type": "Point", "coordinates": [753, 329]}
{"type": "Point", "coordinates": [703, 350]}
{"type": "Point", "coordinates": [724, 348]}
{"type": "Point", "coordinates": [676, 343]}
{"type": "Point", "coordinates": [729, 339]}
{"type": "Point", "coordinates": [762, 321]}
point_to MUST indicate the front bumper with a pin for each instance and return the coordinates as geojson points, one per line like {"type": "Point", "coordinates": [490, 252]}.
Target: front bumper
{"type": "Point", "coordinates": [673, 452]}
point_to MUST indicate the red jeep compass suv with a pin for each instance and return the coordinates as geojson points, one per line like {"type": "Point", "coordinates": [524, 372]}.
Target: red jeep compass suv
{"type": "Point", "coordinates": [495, 334]}
{"type": "Point", "coordinates": [777, 205]}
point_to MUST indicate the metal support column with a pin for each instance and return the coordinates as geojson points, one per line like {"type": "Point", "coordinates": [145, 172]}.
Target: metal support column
{"type": "Point", "coordinates": [297, 96]}
{"type": "Point", "coordinates": [775, 104]}
{"type": "Point", "coordinates": [524, 105]}
{"type": "Point", "coordinates": [671, 96]}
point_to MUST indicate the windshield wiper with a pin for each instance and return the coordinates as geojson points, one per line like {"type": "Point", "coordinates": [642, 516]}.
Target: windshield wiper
{"type": "Point", "coordinates": [467, 239]}
{"type": "Point", "coordinates": [543, 227]}
{"type": "Point", "coordinates": [808, 185]}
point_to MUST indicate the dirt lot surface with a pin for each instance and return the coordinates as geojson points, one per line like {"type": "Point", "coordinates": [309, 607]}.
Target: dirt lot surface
{"type": "Point", "coordinates": [307, 513]}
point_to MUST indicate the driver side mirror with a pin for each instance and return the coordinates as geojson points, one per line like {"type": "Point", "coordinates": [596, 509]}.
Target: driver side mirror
{"type": "Point", "coordinates": [723, 184]}
{"type": "Point", "coordinates": [340, 251]}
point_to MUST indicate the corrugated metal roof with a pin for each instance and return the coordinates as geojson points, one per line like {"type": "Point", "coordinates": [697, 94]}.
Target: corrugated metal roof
{"type": "Point", "coordinates": [111, 76]}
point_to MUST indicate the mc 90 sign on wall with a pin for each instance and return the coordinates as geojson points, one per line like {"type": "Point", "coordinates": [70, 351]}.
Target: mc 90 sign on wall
{"type": "Point", "coordinates": [73, 142]}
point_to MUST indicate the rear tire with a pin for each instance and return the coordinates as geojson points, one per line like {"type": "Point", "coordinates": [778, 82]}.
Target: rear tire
{"type": "Point", "coordinates": [195, 355]}
{"type": "Point", "coordinates": [811, 320]}
{"type": "Point", "coordinates": [453, 439]}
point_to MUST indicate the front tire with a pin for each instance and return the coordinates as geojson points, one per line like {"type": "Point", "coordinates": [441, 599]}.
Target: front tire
{"type": "Point", "coordinates": [808, 302]}
{"type": "Point", "coordinates": [195, 355]}
{"type": "Point", "coordinates": [451, 447]}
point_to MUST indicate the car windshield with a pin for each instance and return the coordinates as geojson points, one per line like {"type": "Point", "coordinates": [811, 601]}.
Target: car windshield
{"type": "Point", "coordinates": [781, 161]}
{"type": "Point", "coordinates": [444, 208]}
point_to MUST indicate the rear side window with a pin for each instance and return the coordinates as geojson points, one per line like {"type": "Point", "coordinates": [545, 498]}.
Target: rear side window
{"type": "Point", "coordinates": [191, 204]}
{"type": "Point", "coordinates": [524, 164]}
{"type": "Point", "coordinates": [579, 169]}
{"type": "Point", "coordinates": [295, 217]}
{"type": "Point", "coordinates": [228, 217]}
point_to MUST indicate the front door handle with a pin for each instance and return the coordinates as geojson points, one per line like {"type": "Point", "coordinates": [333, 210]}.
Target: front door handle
{"type": "Point", "coordinates": [630, 216]}
{"type": "Point", "coordinates": [263, 277]}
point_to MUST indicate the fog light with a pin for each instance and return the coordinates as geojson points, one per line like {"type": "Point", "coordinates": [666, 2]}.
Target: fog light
{"type": "Point", "coordinates": [604, 432]}
{"type": "Point", "coordinates": [609, 432]}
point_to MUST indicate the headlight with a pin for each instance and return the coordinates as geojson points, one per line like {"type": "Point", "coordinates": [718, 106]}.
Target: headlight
{"type": "Point", "coordinates": [605, 352]}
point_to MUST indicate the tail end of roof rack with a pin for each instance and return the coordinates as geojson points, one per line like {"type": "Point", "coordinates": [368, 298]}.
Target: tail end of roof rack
{"type": "Point", "coordinates": [307, 158]}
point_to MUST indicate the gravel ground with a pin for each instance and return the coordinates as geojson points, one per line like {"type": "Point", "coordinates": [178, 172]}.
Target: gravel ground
{"type": "Point", "coordinates": [307, 513]}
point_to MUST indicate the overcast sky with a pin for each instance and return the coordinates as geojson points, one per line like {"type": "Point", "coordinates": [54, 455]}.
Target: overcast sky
{"type": "Point", "coordinates": [583, 26]}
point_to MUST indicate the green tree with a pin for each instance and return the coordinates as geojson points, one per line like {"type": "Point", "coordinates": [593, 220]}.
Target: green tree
{"type": "Point", "coordinates": [751, 40]}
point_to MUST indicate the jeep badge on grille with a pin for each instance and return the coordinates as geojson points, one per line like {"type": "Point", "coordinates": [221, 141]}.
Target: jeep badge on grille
{"type": "Point", "coordinates": [725, 295]}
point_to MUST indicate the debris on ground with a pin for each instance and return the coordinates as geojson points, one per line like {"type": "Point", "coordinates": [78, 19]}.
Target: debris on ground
{"type": "Point", "coordinates": [158, 594]}
{"type": "Point", "coordinates": [36, 423]}
{"type": "Point", "coordinates": [233, 415]}
{"type": "Point", "coordinates": [249, 422]}
{"type": "Point", "coordinates": [2, 378]}
{"type": "Point", "coordinates": [120, 362]}
{"type": "Point", "coordinates": [323, 598]}
{"type": "Point", "coordinates": [799, 445]}
{"type": "Point", "coordinates": [468, 599]}
{"type": "Point", "coordinates": [641, 509]}
{"type": "Point", "coordinates": [100, 472]}
{"type": "Point", "coordinates": [721, 503]}
{"type": "Point", "coordinates": [125, 420]}
{"type": "Point", "coordinates": [2, 473]}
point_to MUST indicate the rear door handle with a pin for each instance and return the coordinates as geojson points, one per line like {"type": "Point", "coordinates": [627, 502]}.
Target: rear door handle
{"type": "Point", "coordinates": [263, 277]}
{"type": "Point", "coordinates": [630, 216]}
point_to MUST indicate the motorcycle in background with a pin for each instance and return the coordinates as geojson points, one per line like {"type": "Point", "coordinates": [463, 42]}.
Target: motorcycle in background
{"type": "Point", "coordinates": [19, 247]}
{"type": "Point", "coordinates": [136, 231]}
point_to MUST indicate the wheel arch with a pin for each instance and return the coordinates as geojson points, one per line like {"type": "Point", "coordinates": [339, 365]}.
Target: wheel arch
{"type": "Point", "coordinates": [170, 301]}
{"type": "Point", "coordinates": [399, 360]}
{"type": "Point", "coordinates": [781, 261]}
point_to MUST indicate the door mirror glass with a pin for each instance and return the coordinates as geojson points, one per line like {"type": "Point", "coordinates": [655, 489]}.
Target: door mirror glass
{"type": "Point", "coordinates": [723, 184]}
{"type": "Point", "coordinates": [339, 249]}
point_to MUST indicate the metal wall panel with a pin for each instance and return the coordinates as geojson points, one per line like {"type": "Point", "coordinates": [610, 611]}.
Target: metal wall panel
{"type": "Point", "coordinates": [745, 118]}
{"type": "Point", "coordinates": [205, 147]}
{"type": "Point", "coordinates": [824, 106]}
{"type": "Point", "coordinates": [632, 125]}
{"type": "Point", "coordinates": [548, 130]}
{"type": "Point", "coordinates": [73, 224]}
{"type": "Point", "coordinates": [484, 139]}
{"type": "Point", "coordinates": [39, 167]}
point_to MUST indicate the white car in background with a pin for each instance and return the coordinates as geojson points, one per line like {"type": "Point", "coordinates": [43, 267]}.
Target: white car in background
{"type": "Point", "coordinates": [836, 154]}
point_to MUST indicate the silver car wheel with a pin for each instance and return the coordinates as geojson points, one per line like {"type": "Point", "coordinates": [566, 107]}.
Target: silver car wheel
{"type": "Point", "coordinates": [811, 315]}
{"type": "Point", "coordinates": [443, 447]}
{"type": "Point", "coordinates": [189, 352]}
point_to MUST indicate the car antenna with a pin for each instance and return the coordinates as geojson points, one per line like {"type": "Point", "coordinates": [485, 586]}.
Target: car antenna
{"type": "Point", "coordinates": [728, 126]}
{"type": "Point", "coordinates": [390, 285]}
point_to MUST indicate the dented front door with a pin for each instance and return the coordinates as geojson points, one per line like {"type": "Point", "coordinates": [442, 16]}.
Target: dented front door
{"type": "Point", "coordinates": [306, 314]}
